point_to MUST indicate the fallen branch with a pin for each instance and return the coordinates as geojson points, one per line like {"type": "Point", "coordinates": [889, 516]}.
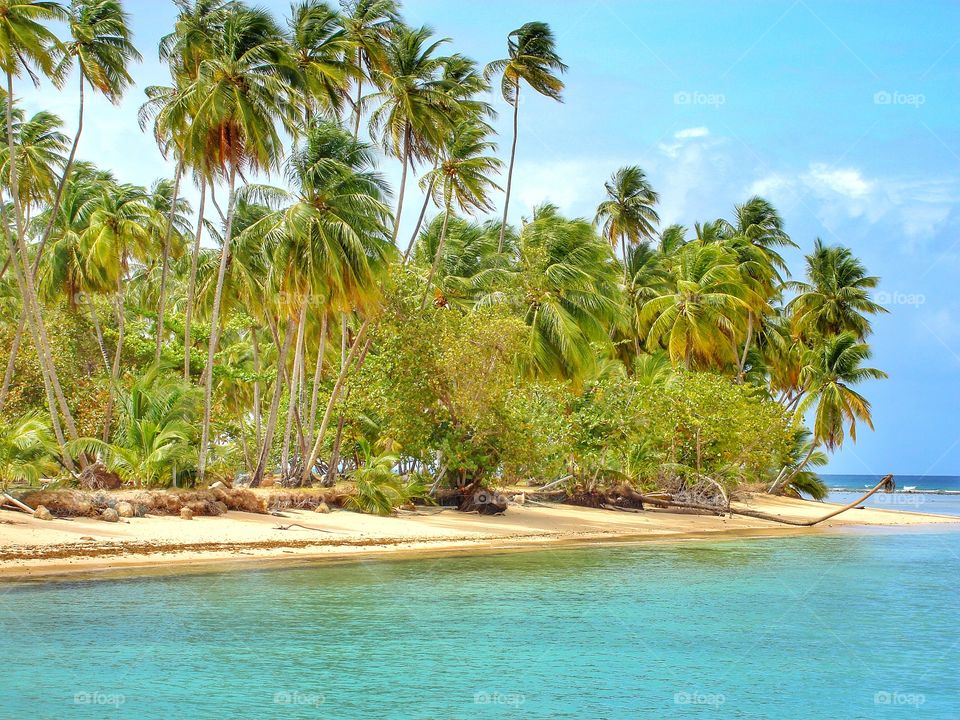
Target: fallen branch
{"type": "Point", "coordinates": [305, 527]}
{"type": "Point", "coordinates": [13, 501]}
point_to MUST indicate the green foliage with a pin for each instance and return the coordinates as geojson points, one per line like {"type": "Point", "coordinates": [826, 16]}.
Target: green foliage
{"type": "Point", "coordinates": [27, 449]}
{"type": "Point", "coordinates": [156, 437]}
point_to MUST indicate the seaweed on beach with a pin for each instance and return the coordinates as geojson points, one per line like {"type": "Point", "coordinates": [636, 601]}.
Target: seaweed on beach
{"type": "Point", "coordinates": [209, 502]}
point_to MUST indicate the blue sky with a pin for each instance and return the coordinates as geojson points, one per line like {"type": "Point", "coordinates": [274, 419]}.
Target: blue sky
{"type": "Point", "coordinates": [843, 114]}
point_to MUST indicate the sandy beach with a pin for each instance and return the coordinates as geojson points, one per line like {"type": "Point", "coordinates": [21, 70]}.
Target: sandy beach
{"type": "Point", "coordinates": [32, 548]}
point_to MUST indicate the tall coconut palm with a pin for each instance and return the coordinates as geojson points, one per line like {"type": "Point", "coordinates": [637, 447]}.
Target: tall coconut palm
{"type": "Point", "coordinates": [367, 26]}
{"type": "Point", "coordinates": [40, 159]}
{"type": "Point", "coordinates": [101, 45]}
{"type": "Point", "coordinates": [697, 319]}
{"type": "Point", "coordinates": [41, 149]}
{"type": "Point", "coordinates": [411, 113]}
{"type": "Point", "coordinates": [463, 83]}
{"type": "Point", "coordinates": [565, 286]}
{"type": "Point", "coordinates": [235, 101]}
{"type": "Point", "coordinates": [532, 58]}
{"type": "Point", "coordinates": [121, 226]}
{"type": "Point", "coordinates": [463, 177]}
{"type": "Point", "coordinates": [628, 214]}
{"type": "Point", "coordinates": [835, 298]}
{"type": "Point", "coordinates": [332, 239]}
{"type": "Point", "coordinates": [318, 48]}
{"type": "Point", "coordinates": [28, 46]}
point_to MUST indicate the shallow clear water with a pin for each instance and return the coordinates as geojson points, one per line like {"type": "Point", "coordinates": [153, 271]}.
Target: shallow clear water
{"type": "Point", "coordinates": [832, 626]}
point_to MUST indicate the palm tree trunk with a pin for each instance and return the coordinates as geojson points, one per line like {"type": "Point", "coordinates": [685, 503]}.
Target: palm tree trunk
{"type": "Point", "coordinates": [166, 260]}
{"type": "Point", "coordinates": [334, 394]}
{"type": "Point", "coordinates": [626, 266]}
{"type": "Point", "coordinates": [746, 345]}
{"type": "Point", "coordinates": [192, 281]}
{"type": "Point", "coordinates": [12, 360]}
{"type": "Point", "coordinates": [261, 469]}
{"type": "Point", "coordinates": [782, 482]}
{"type": "Point", "coordinates": [356, 106]}
{"type": "Point", "coordinates": [403, 182]}
{"type": "Point", "coordinates": [98, 331]}
{"type": "Point", "coordinates": [215, 323]}
{"type": "Point", "coordinates": [293, 388]}
{"type": "Point", "coordinates": [315, 388]}
{"type": "Point", "coordinates": [513, 155]}
{"type": "Point", "coordinates": [115, 371]}
{"type": "Point", "coordinates": [20, 258]}
{"type": "Point", "coordinates": [423, 212]}
{"type": "Point", "coordinates": [335, 450]}
{"type": "Point", "coordinates": [19, 271]}
{"type": "Point", "coordinates": [255, 343]}
{"type": "Point", "coordinates": [55, 207]}
{"type": "Point", "coordinates": [436, 257]}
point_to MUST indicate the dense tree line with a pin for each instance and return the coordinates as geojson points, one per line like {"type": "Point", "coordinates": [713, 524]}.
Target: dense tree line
{"type": "Point", "coordinates": [305, 338]}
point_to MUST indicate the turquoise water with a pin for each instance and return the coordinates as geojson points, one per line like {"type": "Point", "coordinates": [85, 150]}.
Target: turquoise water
{"type": "Point", "coordinates": [829, 626]}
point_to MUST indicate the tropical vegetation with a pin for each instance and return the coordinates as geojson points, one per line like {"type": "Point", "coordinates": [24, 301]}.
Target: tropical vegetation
{"type": "Point", "coordinates": [280, 329]}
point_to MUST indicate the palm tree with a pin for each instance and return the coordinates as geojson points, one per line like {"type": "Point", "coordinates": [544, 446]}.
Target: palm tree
{"type": "Point", "coordinates": [332, 239]}
{"type": "Point", "coordinates": [697, 318]}
{"type": "Point", "coordinates": [156, 438]}
{"type": "Point", "coordinates": [367, 26]}
{"type": "Point", "coordinates": [462, 177]}
{"type": "Point", "coordinates": [319, 46]}
{"type": "Point", "coordinates": [41, 148]}
{"type": "Point", "coordinates": [831, 370]}
{"type": "Point", "coordinates": [835, 298]}
{"type": "Point", "coordinates": [27, 450]}
{"type": "Point", "coordinates": [470, 249]}
{"type": "Point", "coordinates": [463, 83]}
{"type": "Point", "coordinates": [102, 48]}
{"type": "Point", "coordinates": [565, 286]}
{"type": "Point", "coordinates": [122, 225]}
{"type": "Point", "coordinates": [238, 94]}
{"type": "Point", "coordinates": [27, 44]}
{"type": "Point", "coordinates": [628, 213]}
{"type": "Point", "coordinates": [412, 107]}
{"type": "Point", "coordinates": [531, 57]}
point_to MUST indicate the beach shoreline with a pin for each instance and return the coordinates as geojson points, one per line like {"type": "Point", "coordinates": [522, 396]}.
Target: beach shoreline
{"type": "Point", "coordinates": [34, 550]}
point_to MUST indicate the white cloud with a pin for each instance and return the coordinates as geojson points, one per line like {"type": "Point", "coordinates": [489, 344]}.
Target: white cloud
{"type": "Point", "coordinates": [843, 181]}
{"type": "Point", "coordinates": [918, 207]}
{"type": "Point", "coordinates": [694, 132]}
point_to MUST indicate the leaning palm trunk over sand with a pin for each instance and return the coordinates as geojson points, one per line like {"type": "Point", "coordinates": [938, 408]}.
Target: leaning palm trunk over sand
{"type": "Point", "coordinates": [887, 484]}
